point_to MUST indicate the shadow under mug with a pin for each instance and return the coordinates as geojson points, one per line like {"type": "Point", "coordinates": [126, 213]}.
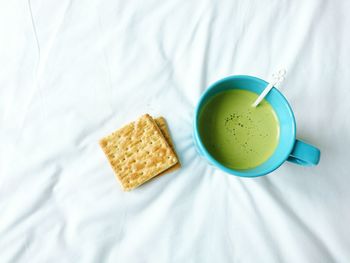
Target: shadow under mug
{"type": "Point", "coordinates": [288, 149]}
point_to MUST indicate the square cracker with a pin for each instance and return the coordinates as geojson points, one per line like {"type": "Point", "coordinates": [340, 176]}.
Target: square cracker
{"type": "Point", "coordinates": [138, 152]}
{"type": "Point", "coordinates": [161, 122]}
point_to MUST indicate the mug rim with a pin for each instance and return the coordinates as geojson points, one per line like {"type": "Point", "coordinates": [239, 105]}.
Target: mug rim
{"type": "Point", "coordinates": [212, 160]}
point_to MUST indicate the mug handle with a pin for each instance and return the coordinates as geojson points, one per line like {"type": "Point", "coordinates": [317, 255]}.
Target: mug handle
{"type": "Point", "coordinates": [304, 154]}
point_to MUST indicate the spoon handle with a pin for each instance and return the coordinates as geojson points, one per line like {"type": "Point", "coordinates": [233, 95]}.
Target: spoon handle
{"type": "Point", "coordinates": [277, 78]}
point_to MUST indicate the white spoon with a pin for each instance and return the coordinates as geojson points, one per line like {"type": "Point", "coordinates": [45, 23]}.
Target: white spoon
{"type": "Point", "coordinates": [277, 79]}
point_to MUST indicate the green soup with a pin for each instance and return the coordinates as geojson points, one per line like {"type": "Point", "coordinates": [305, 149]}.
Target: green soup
{"type": "Point", "coordinates": [236, 134]}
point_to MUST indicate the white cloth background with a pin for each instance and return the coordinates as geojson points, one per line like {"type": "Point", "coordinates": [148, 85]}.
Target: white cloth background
{"type": "Point", "coordinates": [72, 71]}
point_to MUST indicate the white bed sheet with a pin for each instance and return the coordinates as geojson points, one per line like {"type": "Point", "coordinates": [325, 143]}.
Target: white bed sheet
{"type": "Point", "coordinates": [73, 71]}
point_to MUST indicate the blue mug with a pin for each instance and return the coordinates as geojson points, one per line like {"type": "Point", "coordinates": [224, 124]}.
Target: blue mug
{"type": "Point", "coordinates": [289, 148]}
